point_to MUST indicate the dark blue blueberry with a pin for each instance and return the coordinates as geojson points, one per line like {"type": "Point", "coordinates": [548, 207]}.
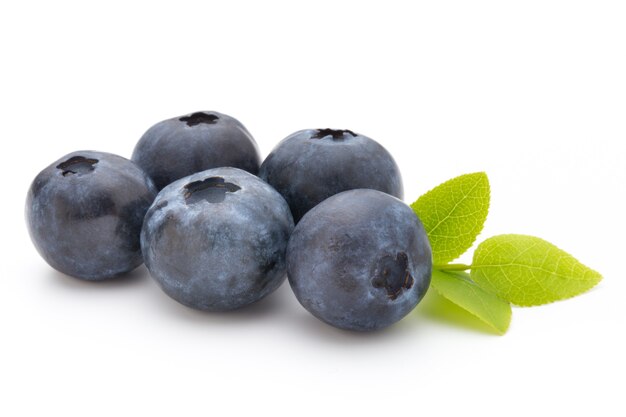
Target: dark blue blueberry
{"type": "Point", "coordinates": [359, 260]}
{"type": "Point", "coordinates": [181, 146]}
{"type": "Point", "coordinates": [311, 165]}
{"type": "Point", "coordinates": [216, 240]}
{"type": "Point", "coordinates": [84, 214]}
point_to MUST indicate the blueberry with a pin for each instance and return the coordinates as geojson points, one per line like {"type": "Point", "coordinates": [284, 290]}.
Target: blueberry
{"type": "Point", "coordinates": [178, 147]}
{"type": "Point", "coordinates": [360, 260]}
{"type": "Point", "coordinates": [311, 165]}
{"type": "Point", "coordinates": [84, 214]}
{"type": "Point", "coordinates": [216, 240]}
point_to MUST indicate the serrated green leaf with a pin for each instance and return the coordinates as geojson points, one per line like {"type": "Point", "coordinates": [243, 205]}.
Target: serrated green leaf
{"type": "Point", "coordinates": [528, 271]}
{"type": "Point", "coordinates": [459, 288]}
{"type": "Point", "coordinates": [453, 214]}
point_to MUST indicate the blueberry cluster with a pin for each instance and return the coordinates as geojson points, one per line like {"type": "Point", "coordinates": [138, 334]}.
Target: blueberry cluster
{"type": "Point", "coordinates": [324, 211]}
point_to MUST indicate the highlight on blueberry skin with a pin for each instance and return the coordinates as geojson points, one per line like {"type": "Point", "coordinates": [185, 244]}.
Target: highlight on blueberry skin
{"type": "Point", "coordinates": [84, 214]}
{"type": "Point", "coordinates": [180, 146]}
{"type": "Point", "coordinates": [311, 165]}
{"type": "Point", "coordinates": [216, 240]}
{"type": "Point", "coordinates": [359, 260]}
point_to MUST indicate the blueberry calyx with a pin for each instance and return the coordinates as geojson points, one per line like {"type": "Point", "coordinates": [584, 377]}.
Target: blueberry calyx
{"type": "Point", "coordinates": [212, 189]}
{"type": "Point", "coordinates": [77, 165]}
{"type": "Point", "coordinates": [337, 134]}
{"type": "Point", "coordinates": [393, 275]}
{"type": "Point", "coordinates": [199, 118]}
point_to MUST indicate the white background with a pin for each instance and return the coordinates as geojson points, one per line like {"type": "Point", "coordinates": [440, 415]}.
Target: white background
{"type": "Point", "coordinates": [532, 92]}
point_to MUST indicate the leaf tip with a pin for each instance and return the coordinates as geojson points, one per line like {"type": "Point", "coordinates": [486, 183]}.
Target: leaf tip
{"type": "Point", "coordinates": [479, 175]}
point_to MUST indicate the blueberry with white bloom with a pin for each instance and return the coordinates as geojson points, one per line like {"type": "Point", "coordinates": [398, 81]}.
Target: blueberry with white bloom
{"type": "Point", "coordinates": [181, 146]}
{"type": "Point", "coordinates": [311, 165]}
{"type": "Point", "coordinates": [359, 260]}
{"type": "Point", "coordinates": [85, 211]}
{"type": "Point", "coordinates": [216, 240]}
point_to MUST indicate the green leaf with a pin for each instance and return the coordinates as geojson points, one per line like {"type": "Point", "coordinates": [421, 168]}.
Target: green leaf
{"type": "Point", "coordinates": [453, 214]}
{"type": "Point", "coordinates": [528, 271]}
{"type": "Point", "coordinates": [459, 288]}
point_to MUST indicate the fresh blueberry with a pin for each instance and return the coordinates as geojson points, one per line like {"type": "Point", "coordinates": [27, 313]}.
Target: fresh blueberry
{"type": "Point", "coordinates": [216, 240]}
{"type": "Point", "coordinates": [84, 214]}
{"type": "Point", "coordinates": [311, 165]}
{"type": "Point", "coordinates": [359, 260]}
{"type": "Point", "coordinates": [178, 147]}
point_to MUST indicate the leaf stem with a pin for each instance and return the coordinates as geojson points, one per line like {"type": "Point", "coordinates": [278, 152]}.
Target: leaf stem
{"type": "Point", "coordinates": [452, 267]}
